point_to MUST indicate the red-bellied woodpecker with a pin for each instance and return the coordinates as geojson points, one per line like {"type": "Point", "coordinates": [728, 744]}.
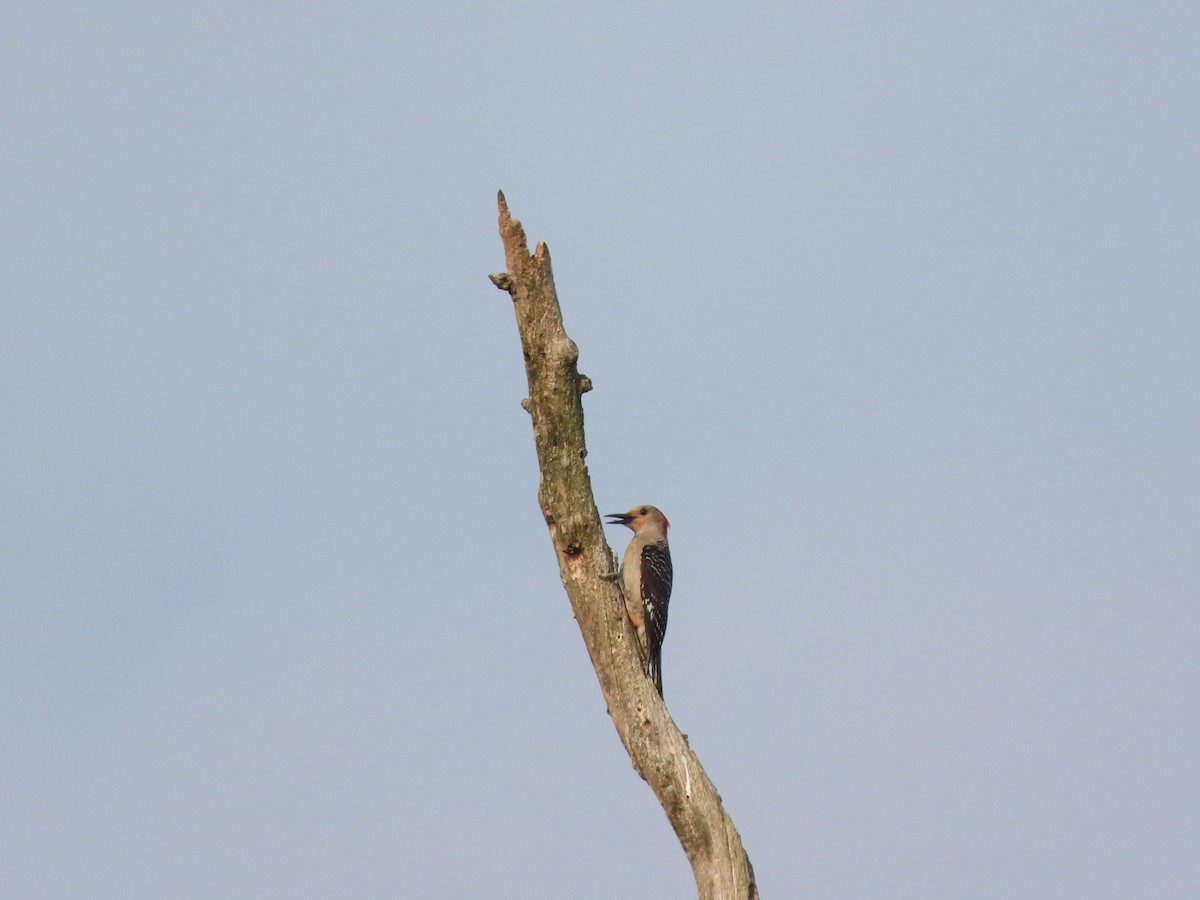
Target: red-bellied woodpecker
{"type": "Point", "coordinates": [646, 581]}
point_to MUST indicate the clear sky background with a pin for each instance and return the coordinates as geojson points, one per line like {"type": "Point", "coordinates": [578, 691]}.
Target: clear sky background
{"type": "Point", "coordinates": [893, 309]}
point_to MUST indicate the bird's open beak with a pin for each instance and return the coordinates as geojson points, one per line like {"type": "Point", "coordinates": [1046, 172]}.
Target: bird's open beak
{"type": "Point", "coordinates": [618, 519]}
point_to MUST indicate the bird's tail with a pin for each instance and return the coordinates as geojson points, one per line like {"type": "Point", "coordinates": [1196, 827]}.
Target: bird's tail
{"type": "Point", "coordinates": [656, 670]}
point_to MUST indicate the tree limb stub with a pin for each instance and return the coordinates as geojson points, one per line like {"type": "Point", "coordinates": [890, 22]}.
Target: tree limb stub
{"type": "Point", "coordinates": [658, 750]}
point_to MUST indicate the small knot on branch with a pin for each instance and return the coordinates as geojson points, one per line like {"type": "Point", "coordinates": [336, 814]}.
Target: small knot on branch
{"type": "Point", "coordinates": [502, 280]}
{"type": "Point", "coordinates": [585, 384]}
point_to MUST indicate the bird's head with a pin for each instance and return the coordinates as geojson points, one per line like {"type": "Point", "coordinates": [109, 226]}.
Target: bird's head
{"type": "Point", "coordinates": [638, 517]}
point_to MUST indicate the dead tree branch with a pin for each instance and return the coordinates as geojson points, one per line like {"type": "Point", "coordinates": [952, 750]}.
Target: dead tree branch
{"type": "Point", "coordinates": [658, 750]}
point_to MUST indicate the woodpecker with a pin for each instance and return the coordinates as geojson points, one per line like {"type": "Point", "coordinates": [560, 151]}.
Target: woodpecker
{"type": "Point", "coordinates": [646, 580]}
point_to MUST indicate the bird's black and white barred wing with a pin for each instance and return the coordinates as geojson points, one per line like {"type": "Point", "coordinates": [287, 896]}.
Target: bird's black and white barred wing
{"type": "Point", "coordinates": [656, 594]}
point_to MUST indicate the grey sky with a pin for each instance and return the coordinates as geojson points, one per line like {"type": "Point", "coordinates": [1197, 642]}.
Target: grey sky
{"type": "Point", "coordinates": [893, 310]}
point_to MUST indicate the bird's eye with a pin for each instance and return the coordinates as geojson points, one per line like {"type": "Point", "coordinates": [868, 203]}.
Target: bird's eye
{"type": "Point", "coordinates": [642, 511]}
